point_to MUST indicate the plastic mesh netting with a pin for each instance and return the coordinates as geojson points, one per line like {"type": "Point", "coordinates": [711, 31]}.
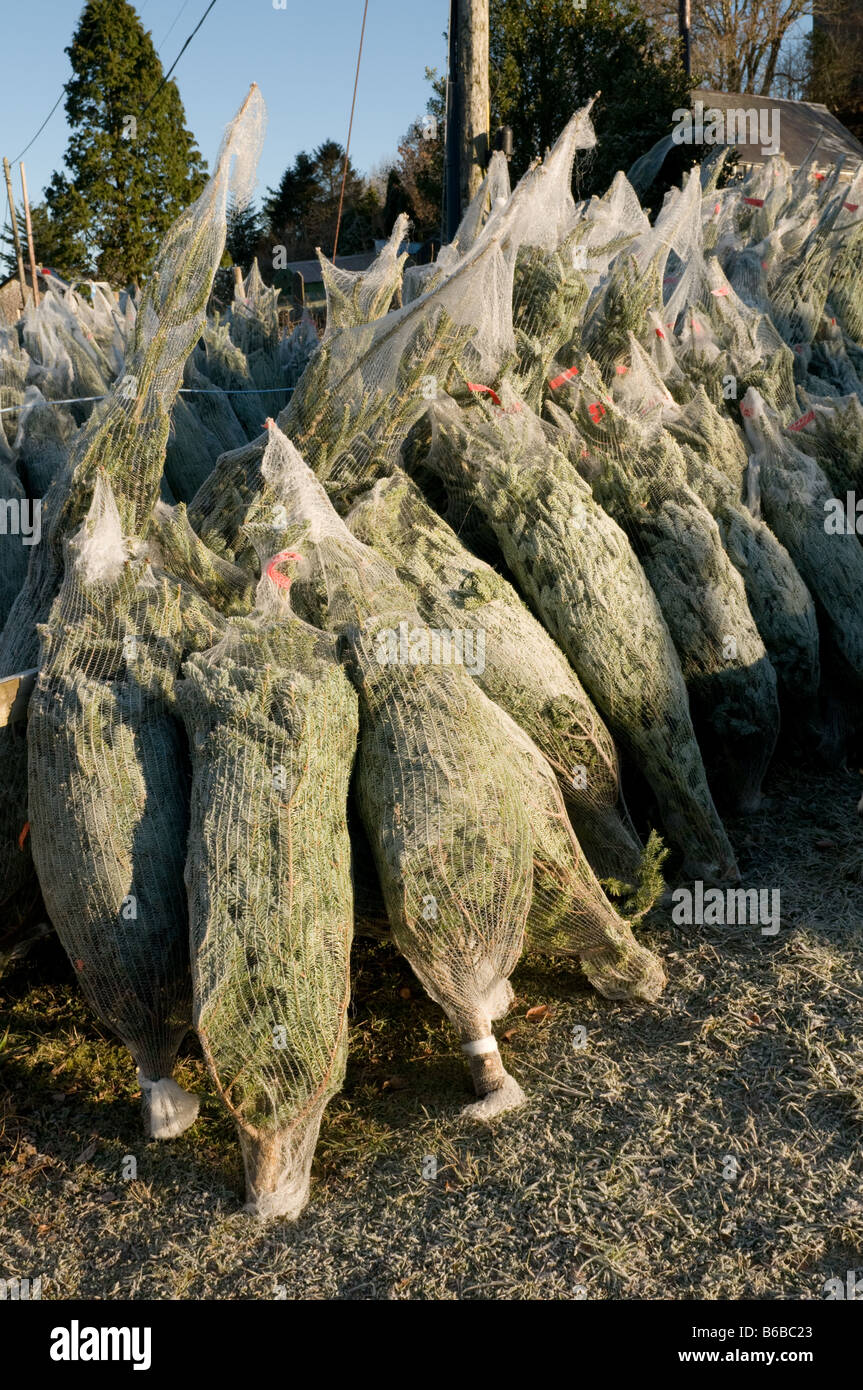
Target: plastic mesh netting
{"type": "Point", "coordinates": [108, 797]}
{"type": "Point", "coordinates": [445, 783]}
{"type": "Point", "coordinates": [126, 438]}
{"type": "Point", "coordinates": [542, 540]}
{"type": "Point", "coordinates": [272, 725]}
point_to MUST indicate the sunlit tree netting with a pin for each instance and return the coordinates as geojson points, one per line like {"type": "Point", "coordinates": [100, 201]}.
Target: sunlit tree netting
{"type": "Point", "coordinates": [126, 438]}
{"type": "Point", "coordinates": [521, 668]}
{"type": "Point", "coordinates": [272, 727]}
{"type": "Point", "coordinates": [541, 542]}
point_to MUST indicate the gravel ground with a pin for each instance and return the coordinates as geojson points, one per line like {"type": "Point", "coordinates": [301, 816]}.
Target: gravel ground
{"type": "Point", "coordinates": [705, 1147]}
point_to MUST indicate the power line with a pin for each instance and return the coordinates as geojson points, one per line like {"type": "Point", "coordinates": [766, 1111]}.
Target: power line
{"type": "Point", "coordinates": [155, 94]}
{"type": "Point", "coordinates": [174, 22]}
{"type": "Point", "coordinates": [350, 128]}
{"type": "Point", "coordinates": [164, 79]}
{"type": "Point", "coordinates": [41, 128]}
{"type": "Point", "coordinates": [180, 54]}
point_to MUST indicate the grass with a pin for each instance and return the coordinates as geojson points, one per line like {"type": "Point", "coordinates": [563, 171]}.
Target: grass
{"type": "Point", "coordinates": [608, 1184]}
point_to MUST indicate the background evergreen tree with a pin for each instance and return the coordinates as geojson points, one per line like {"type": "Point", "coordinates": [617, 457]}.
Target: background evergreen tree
{"type": "Point", "coordinates": [55, 247]}
{"type": "Point", "coordinates": [244, 235]}
{"type": "Point", "coordinates": [132, 164]}
{"type": "Point", "coordinates": [397, 200]}
{"type": "Point", "coordinates": [834, 61]}
{"type": "Point", "coordinates": [302, 211]}
{"type": "Point", "coordinates": [548, 57]}
{"type": "Point", "coordinates": [287, 207]}
{"type": "Point", "coordinates": [419, 168]}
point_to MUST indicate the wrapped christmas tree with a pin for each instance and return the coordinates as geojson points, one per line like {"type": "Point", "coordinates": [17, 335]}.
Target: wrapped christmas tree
{"type": "Point", "coordinates": [576, 568]}
{"type": "Point", "coordinates": [465, 820]}
{"type": "Point", "coordinates": [108, 797]}
{"type": "Point", "coordinates": [519, 666]}
{"type": "Point", "coordinates": [272, 725]}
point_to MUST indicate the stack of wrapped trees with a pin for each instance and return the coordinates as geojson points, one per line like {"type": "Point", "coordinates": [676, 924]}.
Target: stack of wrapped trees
{"type": "Point", "coordinates": [561, 507]}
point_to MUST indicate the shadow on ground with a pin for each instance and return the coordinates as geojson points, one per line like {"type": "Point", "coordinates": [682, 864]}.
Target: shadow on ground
{"type": "Point", "coordinates": [708, 1146]}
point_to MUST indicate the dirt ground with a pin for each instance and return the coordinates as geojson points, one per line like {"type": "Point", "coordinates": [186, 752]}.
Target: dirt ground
{"type": "Point", "coordinates": [708, 1146]}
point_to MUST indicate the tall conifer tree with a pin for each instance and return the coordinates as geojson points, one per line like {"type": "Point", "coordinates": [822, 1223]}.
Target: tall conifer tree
{"type": "Point", "coordinates": [132, 164]}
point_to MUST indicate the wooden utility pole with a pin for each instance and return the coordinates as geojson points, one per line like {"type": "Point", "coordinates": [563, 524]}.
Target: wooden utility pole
{"type": "Point", "coordinates": [15, 237]}
{"type": "Point", "coordinates": [473, 80]}
{"type": "Point", "coordinates": [452, 145]}
{"type": "Point", "coordinates": [28, 224]}
{"type": "Point", "coordinates": [467, 108]}
{"type": "Point", "coordinates": [684, 24]}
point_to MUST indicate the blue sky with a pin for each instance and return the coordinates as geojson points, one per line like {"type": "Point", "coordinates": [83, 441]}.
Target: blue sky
{"type": "Point", "coordinates": [303, 59]}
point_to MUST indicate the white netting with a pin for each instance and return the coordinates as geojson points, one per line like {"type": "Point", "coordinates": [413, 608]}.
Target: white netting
{"type": "Point", "coordinates": [272, 725]}
{"type": "Point", "coordinates": [651, 431]}
{"type": "Point", "coordinates": [515, 661]}
{"type": "Point", "coordinates": [438, 765]}
{"type": "Point", "coordinates": [108, 800]}
{"type": "Point", "coordinates": [126, 438]}
{"type": "Point", "coordinates": [357, 296]}
{"type": "Point", "coordinates": [795, 497]}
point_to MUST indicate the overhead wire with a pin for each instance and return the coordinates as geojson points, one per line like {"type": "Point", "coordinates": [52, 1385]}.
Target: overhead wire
{"type": "Point", "coordinates": [350, 128]}
{"type": "Point", "coordinates": [155, 94]}
{"type": "Point", "coordinates": [41, 128]}
{"type": "Point", "coordinates": [174, 23]}
{"type": "Point", "coordinates": [179, 56]}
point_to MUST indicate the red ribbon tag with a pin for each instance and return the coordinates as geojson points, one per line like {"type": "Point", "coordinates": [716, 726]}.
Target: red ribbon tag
{"type": "Point", "coordinates": [596, 411]}
{"type": "Point", "coordinates": [803, 421]}
{"type": "Point", "coordinates": [659, 333]}
{"type": "Point", "coordinates": [564, 376]}
{"type": "Point", "coordinates": [754, 202]}
{"type": "Point", "coordinates": [852, 207]}
{"type": "Point", "coordinates": [474, 386]}
{"type": "Point", "coordinates": [283, 581]}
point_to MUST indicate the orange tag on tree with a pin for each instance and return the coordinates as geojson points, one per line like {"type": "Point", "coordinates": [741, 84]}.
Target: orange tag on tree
{"type": "Point", "coordinates": [474, 386]}
{"type": "Point", "coordinates": [283, 581]}
{"type": "Point", "coordinates": [564, 376]}
{"type": "Point", "coordinates": [803, 421]}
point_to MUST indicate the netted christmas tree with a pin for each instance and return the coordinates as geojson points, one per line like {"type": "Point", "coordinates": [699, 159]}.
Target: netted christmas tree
{"type": "Point", "coordinates": [272, 725]}
{"type": "Point", "coordinates": [545, 534]}
{"type": "Point", "coordinates": [108, 794]}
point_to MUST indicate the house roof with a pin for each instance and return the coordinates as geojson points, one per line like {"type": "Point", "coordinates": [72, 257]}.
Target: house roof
{"type": "Point", "coordinates": [800, 125]}
{"type": "Point", "coordinates": [311, 270]}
